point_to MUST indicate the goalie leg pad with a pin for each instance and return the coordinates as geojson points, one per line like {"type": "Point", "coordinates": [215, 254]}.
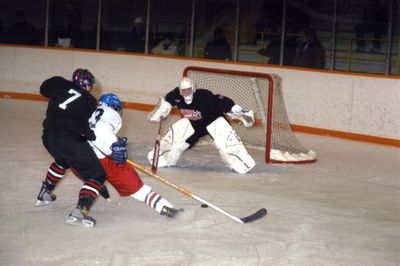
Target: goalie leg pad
{"type": "Point", "coordinates": [230, 146]}
{"type": "Point", "coordinates": [173, 143]}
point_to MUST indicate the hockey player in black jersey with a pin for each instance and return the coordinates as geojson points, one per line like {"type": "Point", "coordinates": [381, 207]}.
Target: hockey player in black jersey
{"type": "Point", "coordinates": [202, 113]}
{"type": "Point", "coordinates": [65, 134]}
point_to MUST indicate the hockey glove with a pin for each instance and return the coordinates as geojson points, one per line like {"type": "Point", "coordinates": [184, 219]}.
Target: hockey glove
{"type": "Point", "coordinates": [246, 116]}
{"type": "Point", "coordinates": [119, 150]}
{"type": "Point", "coordinates": [162, 109]}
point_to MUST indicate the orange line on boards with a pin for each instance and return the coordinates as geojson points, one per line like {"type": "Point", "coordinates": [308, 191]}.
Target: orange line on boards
{"type": "Point", "coordinates": [346, 135]}
{"type": "Point", "coordinates": [297, 128]}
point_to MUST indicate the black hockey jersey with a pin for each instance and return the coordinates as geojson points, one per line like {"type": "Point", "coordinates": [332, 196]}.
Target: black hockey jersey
{"type": "Point", "coordinates": [202, 111]}
{"type": "Point", "coordinates": [69, 107]}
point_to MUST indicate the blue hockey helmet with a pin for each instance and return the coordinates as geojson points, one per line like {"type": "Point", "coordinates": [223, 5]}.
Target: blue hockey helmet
{"type": "Point", "coordinates": [111, 100]}
{"type": "Point", "coordinates": [83, 78]}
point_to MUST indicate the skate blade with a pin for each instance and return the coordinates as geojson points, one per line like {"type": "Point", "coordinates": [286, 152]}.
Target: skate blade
{"type": "Point", "coordinates": [40, 203]}
{"type": "Point", "coordinates": [80, 222]}
{"type": "Point", "coordinates": [177, 215]}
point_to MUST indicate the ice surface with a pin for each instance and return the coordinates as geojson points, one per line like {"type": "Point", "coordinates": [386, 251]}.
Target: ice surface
{"type": "Point", "coordinates": [341, 210]}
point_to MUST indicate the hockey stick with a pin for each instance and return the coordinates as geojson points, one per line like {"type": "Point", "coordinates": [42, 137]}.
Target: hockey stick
{"type": "Point", "coordinates": [156, 154]}
{"type": "Point", "coordinates": [252, 217]}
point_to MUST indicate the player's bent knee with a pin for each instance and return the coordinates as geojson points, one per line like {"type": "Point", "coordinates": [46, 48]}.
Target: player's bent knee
{"type": "Point", "coordinates": [141, 194]}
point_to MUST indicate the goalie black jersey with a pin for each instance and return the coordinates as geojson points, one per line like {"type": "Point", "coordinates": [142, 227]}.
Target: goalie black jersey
{"type": "Point", "coordinates": [69, 107]}
{"type": "Point", "coordinates": [203, 110]}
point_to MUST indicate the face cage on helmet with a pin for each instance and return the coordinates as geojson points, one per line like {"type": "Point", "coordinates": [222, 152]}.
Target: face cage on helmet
{"type": "Point", "coordinates": [188, 98]}
{"type": "Point", "coordinates": [87, 81]}
{"type": "Point", "coordinates": [118, 109]}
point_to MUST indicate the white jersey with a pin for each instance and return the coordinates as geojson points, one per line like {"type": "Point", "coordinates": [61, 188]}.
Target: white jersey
{"type": "Point", "coordinates": [106, 122]}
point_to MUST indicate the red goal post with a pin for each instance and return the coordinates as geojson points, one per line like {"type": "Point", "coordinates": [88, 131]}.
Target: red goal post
{"type": "Point", "coordinates": [262, 93]}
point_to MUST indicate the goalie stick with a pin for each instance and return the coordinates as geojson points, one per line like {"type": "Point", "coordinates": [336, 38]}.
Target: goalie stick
{"type": "Point", "coordinates": [156, 154]}
{"type": "Point", "coordinates": [250, 218]}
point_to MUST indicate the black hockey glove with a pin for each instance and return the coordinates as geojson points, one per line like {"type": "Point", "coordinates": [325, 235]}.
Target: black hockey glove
{"type": "Point", "coordinates": [119, 150]}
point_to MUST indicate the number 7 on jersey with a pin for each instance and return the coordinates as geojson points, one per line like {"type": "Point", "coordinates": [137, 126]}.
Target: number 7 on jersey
{"type": "Point", "coordinates": [75, 95]}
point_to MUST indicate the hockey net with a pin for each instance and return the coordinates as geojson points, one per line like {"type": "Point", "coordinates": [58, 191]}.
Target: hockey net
{"type": "Point", "coordinates": [263, 94]}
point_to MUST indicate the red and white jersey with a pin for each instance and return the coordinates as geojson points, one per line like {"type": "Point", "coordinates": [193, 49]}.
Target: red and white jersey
{"type": "Point", "coordinates": [106, 122]}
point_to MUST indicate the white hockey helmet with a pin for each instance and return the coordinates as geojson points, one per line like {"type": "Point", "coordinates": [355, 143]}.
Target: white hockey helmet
{"type": "Point", "coordinates": [184, 84]}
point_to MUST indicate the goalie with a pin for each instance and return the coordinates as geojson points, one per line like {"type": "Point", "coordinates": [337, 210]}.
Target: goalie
{"type": "Point", "coordinates": [202, 114]}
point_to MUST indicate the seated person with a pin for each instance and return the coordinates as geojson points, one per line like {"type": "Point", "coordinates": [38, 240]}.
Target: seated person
{"type": "Point", "coordinates": [166, 47]}
{"type": "Point", "coordinates": [218, 47]}
{"type": "Point", "coordinates": [136, 39]}
{"type": "Point", "coordinates": [66, 35]}
{"type": "Point", "coordinates": [310, 53]}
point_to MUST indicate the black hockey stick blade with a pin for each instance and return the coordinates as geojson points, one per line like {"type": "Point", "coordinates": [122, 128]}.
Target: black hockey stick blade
{"type": "Point", "coordinates": [255, 216]}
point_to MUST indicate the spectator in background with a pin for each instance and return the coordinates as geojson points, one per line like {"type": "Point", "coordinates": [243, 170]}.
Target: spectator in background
{"type": "Point", "coordinates": [218, 47]}
{"type": "Point", "coordinates": [272, 51]}
{"type": "Point", "coordinates": [66, 35]}
{"type": "Point", "coordinates": [374, 21]}
{"type": "Point", "coordinates": [166, 47]}
{"type": "Point", "coordinates": [137, 37]}
{"type": "Point", "coordinates": [310, 53]}
{"type": "Point", "coordinates": [21, 32]}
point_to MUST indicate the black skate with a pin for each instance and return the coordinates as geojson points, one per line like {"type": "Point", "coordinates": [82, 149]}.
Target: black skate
{"type": "Point", "coordinates": [77, 217]}
{"type": "Point", "coordinates": [170, 212]}
{"type": "Point", "coordinates": [104, 193]}
{"type": "Point", "coordinates": [45, 196]}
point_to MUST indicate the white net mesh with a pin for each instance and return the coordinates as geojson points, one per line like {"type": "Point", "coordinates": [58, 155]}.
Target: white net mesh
{"type": "Point", "coordinates": [252, 90]}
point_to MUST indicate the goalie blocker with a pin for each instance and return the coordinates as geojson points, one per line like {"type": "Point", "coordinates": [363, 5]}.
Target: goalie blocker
{"type": "Point", "coordinates": [228, 143]}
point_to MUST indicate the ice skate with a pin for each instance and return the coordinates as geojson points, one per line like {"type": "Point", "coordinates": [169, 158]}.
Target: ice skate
{"type": "Point", "coordinates": [104, 193]}
{"type": "Point", "coordinates": [45, 196]}
{"type": "Point", "coordinates": [170, 212]}
{"type": "Point", "coordinates": [78, 218]}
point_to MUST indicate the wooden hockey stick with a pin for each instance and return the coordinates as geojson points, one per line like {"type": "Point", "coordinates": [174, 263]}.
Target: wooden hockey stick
{"type": "Point", "coordinates": [252, 217]}
{"type": "Point", "coordinates": [156, 154]}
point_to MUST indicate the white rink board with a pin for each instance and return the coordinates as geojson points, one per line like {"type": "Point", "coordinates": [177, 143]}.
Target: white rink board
{"type": "Point", "coordinates": [349, 103]}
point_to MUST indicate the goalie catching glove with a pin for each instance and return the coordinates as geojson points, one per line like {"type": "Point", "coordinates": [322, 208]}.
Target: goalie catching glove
{"type": "Point", "coordinates": [244, 115]}
{"type": "Point", "coordinates": [119, 150]}
{"type": "Point", "coordinates": [162, 109]}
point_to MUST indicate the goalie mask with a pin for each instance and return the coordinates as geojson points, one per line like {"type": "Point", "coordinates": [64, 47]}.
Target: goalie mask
{"type": "Point", "coordinates": [111, 100]}
{"type": "Point", "coordinates": [187, 89]}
